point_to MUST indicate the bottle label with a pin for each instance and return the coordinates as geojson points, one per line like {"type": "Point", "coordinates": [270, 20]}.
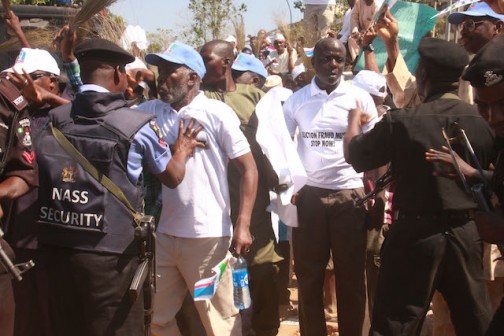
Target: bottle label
{"type": "Point", "coordinates": [240, 279]}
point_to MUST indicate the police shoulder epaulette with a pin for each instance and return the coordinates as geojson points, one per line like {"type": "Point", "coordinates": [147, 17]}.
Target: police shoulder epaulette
{"type": "Point", "coordinates": [12, 94]}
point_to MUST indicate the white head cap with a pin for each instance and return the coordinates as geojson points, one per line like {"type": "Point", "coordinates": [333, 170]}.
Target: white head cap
{"type": "Point", "coordinates": [371, 82]}
{"type": "Point", "coordinates": [35, 60]}
{"type": "Point", "coordinates": [273, 81]}
{"type": "Point", "coordinates": [279, 37]}
{"type": "Point", "coordinates": [298, 70]}
{"type": "Point", "coordinates": [231, 39]}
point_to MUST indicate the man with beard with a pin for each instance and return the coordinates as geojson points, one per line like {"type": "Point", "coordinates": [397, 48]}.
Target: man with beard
{"type": "Point", "coordinates": [328, 217]}
{"type": "Point", "coordinates": [89, 233]}
{"type": "Point", "coordinates": [195, 230]}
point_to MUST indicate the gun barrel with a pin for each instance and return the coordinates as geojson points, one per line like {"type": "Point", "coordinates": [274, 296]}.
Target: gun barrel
{"type": "Point", "coordinates": [9, 266]}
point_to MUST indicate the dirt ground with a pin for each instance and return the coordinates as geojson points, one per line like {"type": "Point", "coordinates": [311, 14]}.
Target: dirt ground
{"type": "Point", "coordinates": [290, 326]}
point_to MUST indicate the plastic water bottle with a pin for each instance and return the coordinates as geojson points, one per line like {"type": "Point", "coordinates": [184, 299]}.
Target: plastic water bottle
{"type": "Point", "coordinates": [241, 291]}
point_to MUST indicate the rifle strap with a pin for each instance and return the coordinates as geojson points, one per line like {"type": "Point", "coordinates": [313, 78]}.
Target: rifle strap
{"type": "Point", "coordinates": [97, 175]}
{"type": "Point", "coordinates": [10, 95]}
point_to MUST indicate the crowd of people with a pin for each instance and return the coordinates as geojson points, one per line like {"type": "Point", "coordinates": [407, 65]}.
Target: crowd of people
{"type": "Point", "coordinates": [399, 210]}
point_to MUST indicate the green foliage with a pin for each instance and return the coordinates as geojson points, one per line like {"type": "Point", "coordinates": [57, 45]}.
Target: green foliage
{"type": "Point", "coordinates": [160, 40]}
{"type": "Point", "coordinates": [210, 18]}
{"type": "Point", "coordinates": [299, 5]}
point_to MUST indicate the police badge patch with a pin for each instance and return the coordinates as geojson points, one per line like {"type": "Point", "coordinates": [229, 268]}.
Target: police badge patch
{"type": "Point", "coordinates": [153, 124]}
{"type": "Point", "coordinates": [24, 132]}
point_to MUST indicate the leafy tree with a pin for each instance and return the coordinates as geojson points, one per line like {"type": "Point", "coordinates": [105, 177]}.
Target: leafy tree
{"type": "Point", "coordinates": [210, 17]}
{"type": "Point", "coordinates": [160, 40]}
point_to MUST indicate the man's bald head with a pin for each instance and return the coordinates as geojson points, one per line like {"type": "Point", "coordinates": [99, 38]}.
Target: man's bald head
{"type": "Point", "coordinates": [221, 48]}
{"type": "Point", "coordinates": [218, 57]}
{"type": "Point", "coordinates": [327, 43]}
{"type": "Point", "coordinates": [328, 61]}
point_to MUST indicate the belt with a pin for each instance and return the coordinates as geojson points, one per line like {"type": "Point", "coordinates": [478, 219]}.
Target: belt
{"type": "Point", "coordinates": [444, 214]}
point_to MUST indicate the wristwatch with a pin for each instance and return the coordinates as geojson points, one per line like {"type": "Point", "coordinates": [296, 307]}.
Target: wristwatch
{"type": "Point", "coordinates": [368, 47]}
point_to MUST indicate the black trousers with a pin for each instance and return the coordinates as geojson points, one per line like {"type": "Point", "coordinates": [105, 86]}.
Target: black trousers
{"type": "Point", "coordinates": [283, 273]}
{"type": "Point", "coordinates": [262, 319]}
{"type": "Point", "coordinates": [7, 306]}
{"type": "Point", "coordinates": [89, 294]}
{"type": "Point", "coordinates": [497, 325]}
{"type": "Point", "coordinates": [330, 221]}
{"type": "Point", "coordinates": [425, 253]}
{"type": "Point", "coordinates": [32, 296]}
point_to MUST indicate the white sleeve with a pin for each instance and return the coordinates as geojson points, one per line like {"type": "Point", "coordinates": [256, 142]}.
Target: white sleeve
{"type": "Point", "coordinates": [288, 109]}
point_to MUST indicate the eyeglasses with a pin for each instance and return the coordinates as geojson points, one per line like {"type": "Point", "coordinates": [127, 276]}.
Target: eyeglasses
{"type": "Point", "coordinates": [38, 75]}
{"type": "Point", "coordinates": [470, 25]}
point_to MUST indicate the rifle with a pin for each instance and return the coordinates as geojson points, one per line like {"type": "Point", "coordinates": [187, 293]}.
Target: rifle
{"type": "Point", "coordinates": [380, 184]}
{"type": "Point", "coordinates": [15, 270]}
{"type": "Point", "coordinates": [479, 191]}
{"type": "Point", "coordinates": [145, 274]}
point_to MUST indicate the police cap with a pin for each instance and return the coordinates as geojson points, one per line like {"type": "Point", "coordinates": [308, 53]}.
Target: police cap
{"type": "Point", "coordinates": [487, 67]}
{"type": "Point", "coordinates": [102, 50]}
{"type": "Point", "coordinates": [444, 54]}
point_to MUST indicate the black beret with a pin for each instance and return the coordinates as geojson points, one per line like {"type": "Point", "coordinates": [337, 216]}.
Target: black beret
{"type": "Point", "coordinates": [444, 54]}
{"type": "Point", "coordinates": [487, 67]}
{"type": "Point", "coordinates": [102, 50]}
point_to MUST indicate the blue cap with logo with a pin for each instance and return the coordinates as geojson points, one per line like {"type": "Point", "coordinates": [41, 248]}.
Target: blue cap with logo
{"type": "Point", "coordinates": [475, 10]}
{"type": "Point", "coordinates": [179, 53]}
{"type": "Point", "coordinates": [246, 62]}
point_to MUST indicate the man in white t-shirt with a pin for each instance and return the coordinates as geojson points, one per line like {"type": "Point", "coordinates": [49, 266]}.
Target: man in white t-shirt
{"type": "Point", "coordinates": [318, 19]}
{"type": "Point", "coordinates": [328, 217]}
{"type": "Point", "coordinates": [283, 58]}
{"type": "Point", "coordinates": [195, 229]}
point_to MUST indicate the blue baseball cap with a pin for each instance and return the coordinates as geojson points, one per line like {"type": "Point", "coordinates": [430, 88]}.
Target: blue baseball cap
{"type": "Point", "coordinates": [179, 53]}
{"type": "Point", "coordinates": [246, 62]}
{"type": "Point", "coordinates": [475, 10]}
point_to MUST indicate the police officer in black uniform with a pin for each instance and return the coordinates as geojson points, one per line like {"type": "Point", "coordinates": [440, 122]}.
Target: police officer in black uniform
{"type": "Point", "coordinates": [433, 243]}
{"type": "Point", "coordinates": [17, 174]}
{"type": "Point", "coordinates": [486, 75]}
{"type": "Point", "coordinates": [89, 232]}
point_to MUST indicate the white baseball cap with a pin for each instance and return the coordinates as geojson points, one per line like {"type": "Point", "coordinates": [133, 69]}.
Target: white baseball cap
{"type": "Point", "coordinates": [34, 60]}
{"type": "Point", "coordinates": [371, 82]}
{"type": "Point", "coordinates": [298, 70]}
